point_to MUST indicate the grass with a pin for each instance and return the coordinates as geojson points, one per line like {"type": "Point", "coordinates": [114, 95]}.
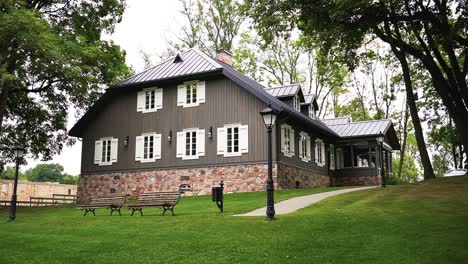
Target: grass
{"type": "Point", "coordinates": [422, 223]}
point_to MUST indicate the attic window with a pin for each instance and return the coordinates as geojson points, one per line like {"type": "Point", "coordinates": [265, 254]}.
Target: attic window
{"type": "Point", "coordinates": [178, 58]}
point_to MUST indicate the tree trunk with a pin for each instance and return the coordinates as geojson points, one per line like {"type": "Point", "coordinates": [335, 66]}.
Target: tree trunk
{"type": "Point", "coordinates": [410, 100]}
{"type": "Point", "coordinates": [460, 147]}
{"type": "Point", "coordinates": [403, 144]}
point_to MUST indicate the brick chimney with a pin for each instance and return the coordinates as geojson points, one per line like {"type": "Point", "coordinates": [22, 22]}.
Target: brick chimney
{"type": "Point", "coordinates": [224, 56]}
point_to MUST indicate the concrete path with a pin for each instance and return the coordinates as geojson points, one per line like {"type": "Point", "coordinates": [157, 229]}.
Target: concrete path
{"type": "Point", "coordinates": [296, 203]}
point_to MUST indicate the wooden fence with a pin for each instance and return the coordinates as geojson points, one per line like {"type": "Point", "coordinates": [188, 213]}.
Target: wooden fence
{"type": "Point", "coordinates": [55, 200]}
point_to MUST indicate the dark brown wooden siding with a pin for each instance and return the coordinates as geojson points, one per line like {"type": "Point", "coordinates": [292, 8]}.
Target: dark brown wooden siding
{"type": "Point", "coordinates": [226, 103]}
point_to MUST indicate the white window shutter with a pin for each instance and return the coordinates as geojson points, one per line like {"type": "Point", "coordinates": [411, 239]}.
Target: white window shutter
{"type": "Point", "coordinates": [140, 101]}
{"type": "Point", "coordinates": [139, 148]}
{"type": "Point", "coordinates": [308, 149]}
{"type": "Point", "coordinates": [283, 143]}
{"type": "Point", "coordinates": [323, 154]}
{"type": "Point", "coordinates": [201, 91]}
{"type": "Point", "coordinates": [181, 95]}
{"type": "Point", "coordinates": [332, 156]}
{"type": "Point", "coordinates": [244, 139]}
{"type": "Point", "coordinates": [201, 142]}
{"type": "Point", "coordinates": [221, 140]}
{"type": "Point", "coordinates": [159, 98]}
{"type": "Point", "coordinates": [180, 144]}
{"type": "Point", "coordinates": [300, 145]}
{"type": "Point", "coordinates": [157, 146]}
{"type": "Point", "coordinates": [316, 151]}
{"type": "Point", "coordinates": [292, 143]}
{"type": "Point", "coordinates": [114, 149]}
{"type": "Point", "coordinates": [97, 151]}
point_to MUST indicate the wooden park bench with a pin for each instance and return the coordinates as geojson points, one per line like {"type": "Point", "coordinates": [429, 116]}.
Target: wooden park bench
{"type": "Point", "coordinates": [114, 203]}
{"type": "Point", "coordinates": [165, 200]}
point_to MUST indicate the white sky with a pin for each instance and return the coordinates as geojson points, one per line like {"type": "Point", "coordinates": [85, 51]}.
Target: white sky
{"type": "Point", "coordinates": [145, 26]}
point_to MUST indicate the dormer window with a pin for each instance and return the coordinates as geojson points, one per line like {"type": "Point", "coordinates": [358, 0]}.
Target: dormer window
{"type": "Point", "coordinates": [297, 103]}
{"type": "Point", "coordinates": [311, 111]}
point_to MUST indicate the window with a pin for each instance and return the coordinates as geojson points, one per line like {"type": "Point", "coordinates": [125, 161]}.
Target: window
{"type": "Point", "coordinates": [148, 147]}
{"type": "Point", "coordinates": [304, 147]}
{"type": "Point", "coordinates": [191, 143]}
{"type": "Point", "coordinates": [297, 103]}
{"type": "Point", "coordinates": [311, 111]}
{"type": "Point", "coordinates": [332, 157]}
{"type": "Point", "coordinates": [191, 93]}
{"type": "Point", "coordinates": [149, 100]}
{"type": "Point", "coordinates": [319, 152]}
{"type": "Point", "coordinates": [233, 140]}
{"type": "Point", "coordinates": [361, 156]}
{"type": "Point", "coordinates": [105, 151]}
{"type": "Point", "coordinates": [287, 140]}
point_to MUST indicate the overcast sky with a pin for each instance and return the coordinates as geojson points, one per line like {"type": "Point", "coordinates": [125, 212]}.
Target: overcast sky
{"type": "Point", "coordinates": [145, 26]}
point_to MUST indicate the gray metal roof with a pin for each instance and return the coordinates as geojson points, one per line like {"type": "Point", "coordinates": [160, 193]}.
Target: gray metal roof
{"type": "Point", "coordinates": [189, 62]}
{"type": "Point", "coordinates": [284, 91]}
{"type": "Point", "coordinates": [337, 121]}
{"type": "Point", "coordinates": [309, 98]}
{"type": "Point", "coordinates": [363, 128]}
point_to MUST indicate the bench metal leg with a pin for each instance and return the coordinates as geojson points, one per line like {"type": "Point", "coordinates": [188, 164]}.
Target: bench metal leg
{"type": "Point", "coordinates": [115, 210]}
{"type": "Point", "coordinates": [89, 210]}
{"type": "Point", "coordinates": [137, 209]}
{"type": "Point", "coordinates": [167, 208]}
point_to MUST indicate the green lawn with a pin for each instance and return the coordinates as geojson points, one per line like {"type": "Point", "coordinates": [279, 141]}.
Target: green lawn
{"type": "Point", "coordinates": [423, 223]}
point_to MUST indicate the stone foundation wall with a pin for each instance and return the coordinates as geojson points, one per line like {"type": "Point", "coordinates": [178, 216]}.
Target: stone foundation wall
{"type": "Point", "coordinates": [290, 177]}
{"type": "Point", "coordinates": [237, 178]}
{"type": "Point", "coordinates": [356, 181]}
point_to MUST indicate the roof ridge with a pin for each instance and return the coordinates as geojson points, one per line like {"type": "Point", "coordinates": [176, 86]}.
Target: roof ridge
{"type": "Point", "coordinates": [356, 122]}
{"type": "Point", "coordinates": [207, 57]}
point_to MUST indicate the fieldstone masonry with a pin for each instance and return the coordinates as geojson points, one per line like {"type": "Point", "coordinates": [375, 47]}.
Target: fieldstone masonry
{"type": "Point", "coordinates": [291, 177]}
{"type": "Point", "coordinates": [356, 181]}
{"type": "Point", "coordinates": [237, 178]}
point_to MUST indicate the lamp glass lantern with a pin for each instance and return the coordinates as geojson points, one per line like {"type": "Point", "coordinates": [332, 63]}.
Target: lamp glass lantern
{"type": "Point", "coordinates": [380, 139]}
{"type": "Point", "coordinates": [269, 117]}
{"type": "Point", "coordinates": [19, 151]}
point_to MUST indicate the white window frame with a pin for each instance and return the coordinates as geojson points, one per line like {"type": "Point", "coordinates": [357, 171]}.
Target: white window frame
{"type": "Point", "coordinates": [141, 148]}
{"type": "Point", "coordinates": [242, 140]}
{"type": "Point", "coordinates": [320, 152]}
{"type": "Point", "coordinates": [311, 111]}
{"type": "Point", "coordinates": [304, 145]}
{"type": "Point", "coordinates": [199, 144]}
{"type": "Point", "coordinates": [109, 156]}
{"type": "Point", "coordinates": [297, 103]}
{"type": "Point", "coordinates": [150, 100]}
{"type": "Point", "coordinates": [287, 140]}
{"type": "Point", "coordinates": [185, 92]}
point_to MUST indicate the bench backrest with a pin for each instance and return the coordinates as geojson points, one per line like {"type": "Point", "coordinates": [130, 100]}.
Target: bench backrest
{"type": "Point", "coordinates": [169, 198]}
{"type": "Point", "coordinates": [117, 201]}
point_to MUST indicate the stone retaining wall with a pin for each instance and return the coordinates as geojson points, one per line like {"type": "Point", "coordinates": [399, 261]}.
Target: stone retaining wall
{"type": "Point", "coordinates": [291, 177]}
{"type": "Point", "coordinates": [237, 178]}
{"type": "Point", "coordinates": [356, 181]}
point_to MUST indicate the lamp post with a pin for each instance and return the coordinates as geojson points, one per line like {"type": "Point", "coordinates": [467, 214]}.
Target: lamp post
{"type": "Point", "coordinates": [269, 117]}
{"type": "Point", "coordinates": [19, 152]}
{"type": "Point", "coordinates": [380, 140]}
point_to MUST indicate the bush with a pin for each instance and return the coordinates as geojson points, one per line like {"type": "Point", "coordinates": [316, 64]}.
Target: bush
{"type": "Point", "coordinates": [393, 181]}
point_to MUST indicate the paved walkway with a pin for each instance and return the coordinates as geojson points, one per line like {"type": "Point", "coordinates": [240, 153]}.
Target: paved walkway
{"type": "Point", "coordinates": [294, 204]}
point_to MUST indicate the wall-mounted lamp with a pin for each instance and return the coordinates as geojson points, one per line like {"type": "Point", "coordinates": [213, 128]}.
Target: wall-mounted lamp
{"type": "Point", "coordinates": [126, 141]}
{"type": "Point", "coordinates": [169, 138]}
{"type": "Point", "coordinates": [210, 132]}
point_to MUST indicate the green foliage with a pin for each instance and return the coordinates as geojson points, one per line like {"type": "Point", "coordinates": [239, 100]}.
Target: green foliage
{"type": "Point", "coordinates": [52, 58]}
{"type": "Point", "coordinates": [8, 173]}
{"type": "Point", "coordinates": [440, 164]}
{"type": "Point", "coordinates": [49, 172]}
{"type": "Point", "coordinates": [355, 109]}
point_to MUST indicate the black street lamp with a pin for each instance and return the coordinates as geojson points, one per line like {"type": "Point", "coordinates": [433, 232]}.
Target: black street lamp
{"type": "Point", "coordinates": [19, 152]}
{"type": "Point", "coordinates": [380, 140]}
{"type": "Point", "coordinates": [269, 117]}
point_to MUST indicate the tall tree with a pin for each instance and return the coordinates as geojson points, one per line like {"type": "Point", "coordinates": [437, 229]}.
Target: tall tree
{"type": "Point", "coordinates": [52, 58]}
{"type": "Point", "coordinates": [434, 33]}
